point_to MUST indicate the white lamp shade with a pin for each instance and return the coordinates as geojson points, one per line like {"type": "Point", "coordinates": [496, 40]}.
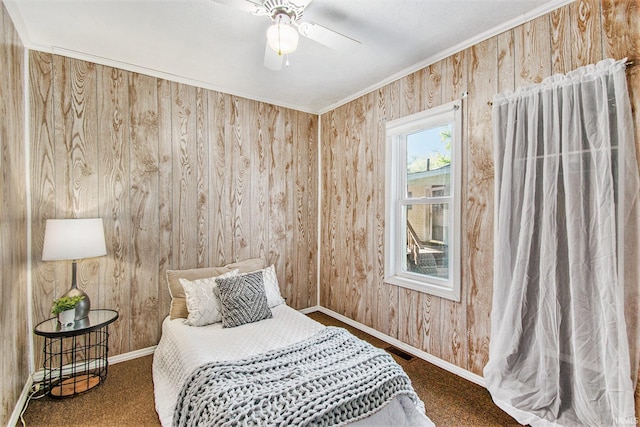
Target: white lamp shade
{"type": "Point", "coordinates": [73, 239]}
{"type": "Point", "coordinates": [282, 38]}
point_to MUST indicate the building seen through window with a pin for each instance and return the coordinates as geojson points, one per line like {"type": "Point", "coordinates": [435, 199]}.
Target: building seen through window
{"type": "Point", "coordinates": [428, 178]}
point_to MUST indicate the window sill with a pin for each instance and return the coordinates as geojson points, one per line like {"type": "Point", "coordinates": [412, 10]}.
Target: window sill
{"type": "Point", "coordinates": [425, 287]}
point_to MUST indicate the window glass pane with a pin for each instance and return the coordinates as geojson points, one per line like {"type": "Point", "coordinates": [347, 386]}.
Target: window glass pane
{"type": "Point", "coordinates": [427, 239]}
{"type": "Point", "coordinates": [429, 162]}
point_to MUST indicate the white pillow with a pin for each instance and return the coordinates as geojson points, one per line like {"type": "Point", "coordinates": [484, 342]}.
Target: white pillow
{"type": "Point", "coordinates": [271, 287]}
{"type": "Point", "coordinates": [203, 304]}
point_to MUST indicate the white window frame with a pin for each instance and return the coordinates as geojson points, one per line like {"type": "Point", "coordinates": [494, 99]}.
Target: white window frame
{"type": "Point", "coordinates": [395, 199]}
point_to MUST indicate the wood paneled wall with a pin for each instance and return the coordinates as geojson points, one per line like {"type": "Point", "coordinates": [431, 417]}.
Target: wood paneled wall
{"type": "Point", "coordinates": [183, 177]}
{"type": "Point", "coordinates": [352, 153]}
{"type": "Point", "coordinates": [14, 326]}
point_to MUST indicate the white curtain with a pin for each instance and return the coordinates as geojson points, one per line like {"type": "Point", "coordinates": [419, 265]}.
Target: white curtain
{"type": "Point", "coordinates": [561, 350]}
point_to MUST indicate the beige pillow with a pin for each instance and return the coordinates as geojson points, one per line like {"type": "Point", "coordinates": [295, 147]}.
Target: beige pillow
{"type": "Point", "coordinates": [178, 300]}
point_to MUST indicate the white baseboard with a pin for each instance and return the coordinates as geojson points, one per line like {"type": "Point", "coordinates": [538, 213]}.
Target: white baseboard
{"type": "Point", "coordinates": [447, 366]}
{"type": "Point", "coordinates": [132, 355]}
{"type": "Point", "coordinates": [309, 309]}
{"type": "Point", "coordinates": [17, 410]}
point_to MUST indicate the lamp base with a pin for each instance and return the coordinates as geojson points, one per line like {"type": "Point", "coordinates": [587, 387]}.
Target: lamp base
{"type": "Point", "coordinates": [83, 307]}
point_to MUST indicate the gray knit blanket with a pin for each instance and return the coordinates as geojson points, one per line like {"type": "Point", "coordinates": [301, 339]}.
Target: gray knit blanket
{"type": "Point", "coordinates": [330, 379]}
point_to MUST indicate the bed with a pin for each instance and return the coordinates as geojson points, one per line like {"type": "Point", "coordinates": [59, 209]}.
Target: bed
{"type": "Point", "coordinates": [286, 349]}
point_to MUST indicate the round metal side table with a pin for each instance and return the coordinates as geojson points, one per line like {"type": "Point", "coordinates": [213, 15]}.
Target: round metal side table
{"type": "Point", "coordinates": [75, 357]}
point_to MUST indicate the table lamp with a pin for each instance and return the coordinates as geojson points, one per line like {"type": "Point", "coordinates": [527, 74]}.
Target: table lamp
{"type": "Point", "coordinates": [71, 240]}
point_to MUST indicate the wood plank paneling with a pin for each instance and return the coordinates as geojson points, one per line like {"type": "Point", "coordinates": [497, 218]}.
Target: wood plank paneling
{"type": "Point", "coordinates": [218, 191]}
{"type": "Point", "coordinates": [328, 220]}
{"type": "Point", "coordinates": [290, 126]}
{"type": "Point", "coordinates": [451, 324]}
{"type": "Point", "coordinates": [410, 91]}
{"type": "Point", "coordinates": [478, 251]}
{"type": "Point", "coordinates": [331, 207]}
{"type": "Point", "coordinates": [367, 199]}
{"type": "Point", "coordinates": [561, 40]}
{"type": "Point", "coordinates": [432, 93]}
{"type": "Point", "coordinates": [183, 177]}
{"type": "Point", "coordinates": [217, 178]}
{"type": "Point", "coordinates": [184, 170]}
{"type": "Point", "coordinates": [387, 296]}
{"type": "Point", "coordinates": [113, 133]}
{"type": "Point", "coordinates": [165, 195]}
{"type": "Point", "coordinates": [43, 177]}
{"type": "Point", "coordinates": [202, 180]}
{"type": "Point", "coordinates": [62, 119]}
{"type": "Point", "coordinates": [300, 153]}
{"type": "Point", "coordinates": [532, 44]}
{"type": "Point", "coordinates": [239, 168]}
{"type": "Point", "coordinates": [14, 332]}
{"type": "Point", "coordinates": [309, 126]}
{"type": "Point", "coordinates": [574, 35]}
{"type": "Point", "coordinates": [259, 137]}
{"type": "Point", "coordinates": [306, 209]}
{"type": "Point", "coordinates": [82, 148]}
{"type": "Point", "coordinates": [355, 217]}
{"type": "Point", "coordinates": [145, 224]}
{"type": "Point", "coordinates": [376, 226]}
{"type": "Point", "coordinates": [506, 62]}
{"type": "Point", "coordinates": [278, 197]}
{"type": "Point", "coordinates": [586, 32]}
{"type": "Point", "coordinates": [410, 317]}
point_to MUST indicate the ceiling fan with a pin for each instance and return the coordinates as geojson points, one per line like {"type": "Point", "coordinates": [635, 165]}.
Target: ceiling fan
{"type": "Point", "coordinates": [282, 36]}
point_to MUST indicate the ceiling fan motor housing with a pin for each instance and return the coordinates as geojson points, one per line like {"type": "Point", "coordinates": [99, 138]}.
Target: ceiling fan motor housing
{"type": "Point", "coordinates": [279, 7]}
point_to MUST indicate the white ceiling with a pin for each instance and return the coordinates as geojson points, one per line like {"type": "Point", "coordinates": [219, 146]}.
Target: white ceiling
{"type": "Point", "coordinates": [216, 46]}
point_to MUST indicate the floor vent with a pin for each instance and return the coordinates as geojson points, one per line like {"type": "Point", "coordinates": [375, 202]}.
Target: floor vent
{"type": "Point", "coordinates": [399, 353]}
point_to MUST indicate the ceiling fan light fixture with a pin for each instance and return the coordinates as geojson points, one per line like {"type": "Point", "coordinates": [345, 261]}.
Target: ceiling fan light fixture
{"type": "Point", "coordinates": [281, 36]}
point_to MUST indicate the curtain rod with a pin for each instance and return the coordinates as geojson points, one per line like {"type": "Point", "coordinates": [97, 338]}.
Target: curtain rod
{"type": "Point", "coordinates": [629, 63]}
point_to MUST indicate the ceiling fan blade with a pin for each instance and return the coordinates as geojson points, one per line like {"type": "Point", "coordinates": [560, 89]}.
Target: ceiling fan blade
{"type": "Point", "coordinates": [272, 60]}
{"type": "Point", "coordinates": [252, 7]}
{"type": "Point", "coordinates": [327, 37]}
{"type": "Point", "coordinates": [301, 3]}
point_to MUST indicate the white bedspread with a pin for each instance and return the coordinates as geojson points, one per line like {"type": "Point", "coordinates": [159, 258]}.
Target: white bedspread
{"type": "Point", "coordinates": [183, 348]}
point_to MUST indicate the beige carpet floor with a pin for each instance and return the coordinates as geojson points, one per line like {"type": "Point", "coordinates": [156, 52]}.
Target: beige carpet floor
{"type": "Point", "coordinates": [126, 396]}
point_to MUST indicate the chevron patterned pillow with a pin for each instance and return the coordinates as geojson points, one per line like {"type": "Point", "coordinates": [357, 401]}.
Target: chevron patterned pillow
{"type": "Point", "coordinates": [242, 299]}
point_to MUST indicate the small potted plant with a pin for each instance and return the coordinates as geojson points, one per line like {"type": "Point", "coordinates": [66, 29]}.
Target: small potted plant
{"type": "Point", "coordinates": [65, 309]}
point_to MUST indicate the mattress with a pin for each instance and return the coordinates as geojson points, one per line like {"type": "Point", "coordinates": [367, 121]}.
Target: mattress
{"type": "Point", "coordinates": [183, 348]}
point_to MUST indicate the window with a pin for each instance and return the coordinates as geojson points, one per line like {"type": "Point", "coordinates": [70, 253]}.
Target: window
{"type": "Point", "coordinates": [422, 223]}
